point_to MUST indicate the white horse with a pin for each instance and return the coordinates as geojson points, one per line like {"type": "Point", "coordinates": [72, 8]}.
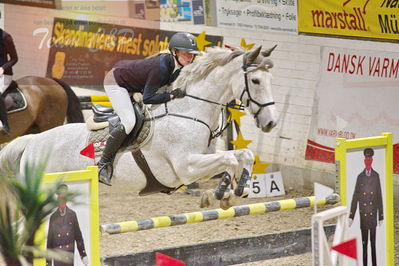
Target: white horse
{"type": "Point", "coordinates": [181, 150]}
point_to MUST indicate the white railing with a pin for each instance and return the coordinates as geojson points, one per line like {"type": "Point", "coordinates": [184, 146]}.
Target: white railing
{"type": "Point", "coordinates": [321, 249]}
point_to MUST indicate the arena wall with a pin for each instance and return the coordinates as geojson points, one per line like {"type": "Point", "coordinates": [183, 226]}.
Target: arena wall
{"type": "Point", "coordinates": [297, 61]}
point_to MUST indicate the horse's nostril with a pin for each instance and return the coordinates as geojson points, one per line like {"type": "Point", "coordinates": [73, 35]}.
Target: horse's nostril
{"type": "Point", "coordinates": [271, 124]}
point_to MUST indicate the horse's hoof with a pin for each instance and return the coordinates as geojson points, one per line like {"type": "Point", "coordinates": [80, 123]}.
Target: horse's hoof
{"type": "Point", "coordinates": [204, 202]}
{"type": "Point", "coordinates": [239, 191]}
{"type": "Point", "coordinates": [205, 199]}
{"type": "Point", "coordinates": [225, 204]}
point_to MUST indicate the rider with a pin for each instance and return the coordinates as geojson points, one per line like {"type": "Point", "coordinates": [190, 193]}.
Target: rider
{"type": "Point", "coordinates": [7, 48]}
{"type": "Point", "coordinates": [145, 76]}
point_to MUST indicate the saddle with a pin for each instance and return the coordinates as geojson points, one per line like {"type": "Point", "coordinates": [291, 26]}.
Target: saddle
{"type": "Point", "coordinates": [106, 114]}
{"type": "Point", "coordinates": [14, 98]}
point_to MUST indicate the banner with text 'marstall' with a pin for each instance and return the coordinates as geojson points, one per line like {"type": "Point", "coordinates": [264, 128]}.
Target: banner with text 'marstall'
{"type": "Point", "coordinates": [356, 18]}
{"type": "Point", "coordinates": [356, 96]}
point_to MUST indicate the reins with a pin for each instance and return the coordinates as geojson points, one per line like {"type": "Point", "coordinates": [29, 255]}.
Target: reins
{"type": "Point", "coordinates": [230, 105]}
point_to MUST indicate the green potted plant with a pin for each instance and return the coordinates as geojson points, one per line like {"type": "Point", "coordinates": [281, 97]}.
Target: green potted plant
{"type": "Point", "coordinates": [24, 206]}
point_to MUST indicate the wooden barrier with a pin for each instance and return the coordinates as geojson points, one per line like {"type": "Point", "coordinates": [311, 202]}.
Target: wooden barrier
{"type": "Point", "coordinates": [208, 215]}
{"type": "Point", "coordinates": [229, 251]}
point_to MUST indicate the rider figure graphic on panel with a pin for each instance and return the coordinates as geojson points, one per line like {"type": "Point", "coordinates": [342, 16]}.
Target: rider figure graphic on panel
{"type": "Point", "coordinates": [145, 76]}
{"type": "Point", "coordinates": [8, 58]}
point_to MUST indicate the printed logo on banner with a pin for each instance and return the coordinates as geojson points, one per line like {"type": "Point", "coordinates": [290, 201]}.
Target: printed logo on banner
{"type": "Point", "coordinates": [267, 185]}
{"type": "Point", "coordinates": [375, 19]}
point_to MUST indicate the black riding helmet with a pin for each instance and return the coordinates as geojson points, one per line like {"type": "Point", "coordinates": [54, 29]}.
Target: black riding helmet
{"type": "Point", "coordinates": [184, 41]}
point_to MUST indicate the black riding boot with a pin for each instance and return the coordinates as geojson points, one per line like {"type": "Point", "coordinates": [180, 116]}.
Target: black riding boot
{"type": "Point", "coordinates": [3, 116]}
{"type": "Point", "coordinates": [114, 141]}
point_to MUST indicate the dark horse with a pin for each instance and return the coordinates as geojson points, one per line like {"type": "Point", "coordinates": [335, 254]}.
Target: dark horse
{"type": "Point", "coordinates": [45, 104]}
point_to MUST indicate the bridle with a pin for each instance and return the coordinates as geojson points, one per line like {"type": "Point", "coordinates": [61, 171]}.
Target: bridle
{"type": "Point", "coordinates": [218, 131]}
{"type": "Point", "coordinates": [245, 67]}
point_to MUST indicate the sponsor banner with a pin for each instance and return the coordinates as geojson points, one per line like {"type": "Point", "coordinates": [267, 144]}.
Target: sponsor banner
{"type": "Point", "coordinates": [81, 52]}
{"type": "Point", "coordinates": [198, 12]}
{"type": "Point", "coordinates": [356, 18]}
{"type": "Point", "coordinates": [356, 97]}
{"type": "Point", "coordinates": [138, 10]}
{"type": "Point", "coordinates": [39, 3]}
{"type": "Point", "coordinates": [259, 15]}
{"type": "Point", "coordinates": [176, 11]}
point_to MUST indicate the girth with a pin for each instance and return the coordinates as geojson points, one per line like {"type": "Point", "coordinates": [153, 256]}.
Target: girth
{"type": "Point", "coordinates": [153, 185]}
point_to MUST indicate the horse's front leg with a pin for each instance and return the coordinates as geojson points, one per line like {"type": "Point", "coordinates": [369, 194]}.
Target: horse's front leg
{"type": "Point", "coordinates": [240, 181]}
{"type": "Point", "coordinates": [205, 166]}
{"type": "Point", "coordinates": [245, 157]}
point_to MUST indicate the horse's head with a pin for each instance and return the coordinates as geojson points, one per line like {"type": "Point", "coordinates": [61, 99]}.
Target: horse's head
{"type": "Point", "coordinates": [254, 87]}
{"type": "Point", "coordinates": [246, 74]}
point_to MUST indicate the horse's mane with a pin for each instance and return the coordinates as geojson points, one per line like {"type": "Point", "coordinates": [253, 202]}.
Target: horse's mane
{"type": "Point", "coordinates": [203, 65]}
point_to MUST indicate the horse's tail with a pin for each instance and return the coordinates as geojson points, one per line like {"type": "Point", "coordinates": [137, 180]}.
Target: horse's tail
{"type": "Point", "coordinates": [74, 112]}
{"type": "Point", "coordinates": [10, 155]}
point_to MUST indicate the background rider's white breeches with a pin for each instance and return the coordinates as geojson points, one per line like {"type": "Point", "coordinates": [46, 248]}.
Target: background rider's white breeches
{"type": "Point", "coordinates": [5, 81]}
{"type": "Point", "coordinates": [120, 100]}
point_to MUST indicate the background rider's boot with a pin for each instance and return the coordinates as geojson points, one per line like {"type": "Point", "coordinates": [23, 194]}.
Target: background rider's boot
{"type": "Point", "coordinates": [117, 136]}
{"type": "Point", "coordinates": [3, 116]}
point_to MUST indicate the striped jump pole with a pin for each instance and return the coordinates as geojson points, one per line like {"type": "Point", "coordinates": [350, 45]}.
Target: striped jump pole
{"type": "Point", "coordinates": [209, 215]}
{"type": "Point", "coordinates": [87, 101]}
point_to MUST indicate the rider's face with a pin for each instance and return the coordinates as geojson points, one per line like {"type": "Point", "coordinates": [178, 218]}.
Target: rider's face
{"type": "Point", "coordinates": [184, 57]}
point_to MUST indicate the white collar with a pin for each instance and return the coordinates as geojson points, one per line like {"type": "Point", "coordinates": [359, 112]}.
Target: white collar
{"type": "Point", "coordinates": [177, 65]}
{"type": "Point", "coordinates": [62, 212]}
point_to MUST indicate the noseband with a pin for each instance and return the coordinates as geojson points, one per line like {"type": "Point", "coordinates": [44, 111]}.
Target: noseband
{"type": "Point", "coordinates": [246, 89]}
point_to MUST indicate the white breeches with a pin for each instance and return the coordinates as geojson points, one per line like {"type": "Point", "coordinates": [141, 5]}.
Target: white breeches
{"type": "Point", "coordinates": [123, 107]}
{"type": "Point", "coordinates": [5, 81]}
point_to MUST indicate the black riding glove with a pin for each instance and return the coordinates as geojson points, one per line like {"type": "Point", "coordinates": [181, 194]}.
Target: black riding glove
{"type": "Point", "coordinates": [178, 93]}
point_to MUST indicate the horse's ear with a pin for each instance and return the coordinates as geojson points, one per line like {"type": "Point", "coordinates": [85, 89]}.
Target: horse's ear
{"type": "Point", "coordinates": [267, 52]}
{"type": "Point", "coordinates": [253, 55]}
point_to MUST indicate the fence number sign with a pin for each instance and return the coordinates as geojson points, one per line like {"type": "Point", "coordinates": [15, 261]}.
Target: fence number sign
{"type": "Point", "coordinates": [266, 185]}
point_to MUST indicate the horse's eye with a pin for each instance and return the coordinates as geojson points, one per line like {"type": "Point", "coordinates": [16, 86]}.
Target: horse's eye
{"type": "Point", "coordinates": [255, 81]}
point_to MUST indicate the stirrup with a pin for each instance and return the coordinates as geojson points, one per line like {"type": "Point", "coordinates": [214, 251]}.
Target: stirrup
{"type": "Point", "coordinates": [105, 168]}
